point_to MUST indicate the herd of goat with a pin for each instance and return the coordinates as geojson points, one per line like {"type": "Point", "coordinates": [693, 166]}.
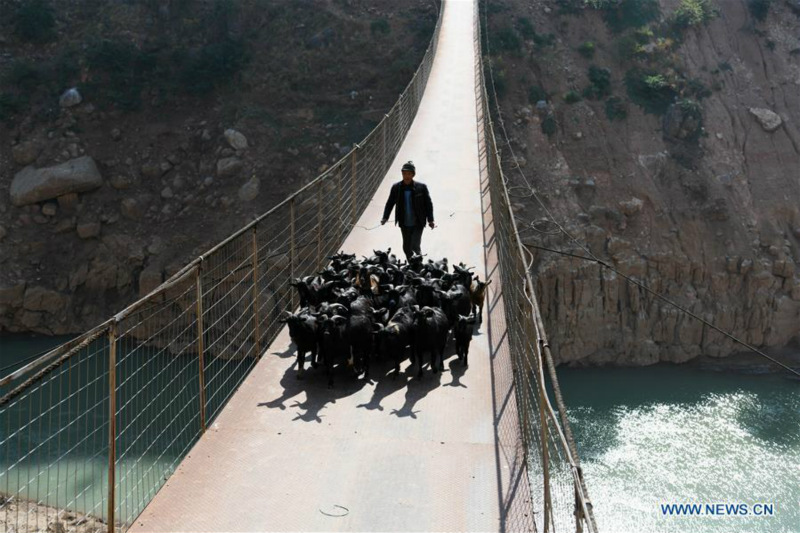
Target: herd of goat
{"type": "Point", "coordinates": [354, 310]}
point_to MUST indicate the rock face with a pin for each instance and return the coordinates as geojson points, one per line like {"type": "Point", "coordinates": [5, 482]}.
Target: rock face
{"type": "Point", "coordinates": [769, 120]}
{"type": "Point", "coordinates": [31, 185]}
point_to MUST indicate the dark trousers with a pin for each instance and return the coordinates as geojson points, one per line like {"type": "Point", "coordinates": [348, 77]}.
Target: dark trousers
{"type": "Point", "coordinates": [412, 238]}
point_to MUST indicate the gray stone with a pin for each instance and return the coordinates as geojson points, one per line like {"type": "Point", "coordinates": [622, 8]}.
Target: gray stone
{"type": "Point", "coordinates": [229, 166]}
{"type": "Point", "coordinates": [131, 209]}
{"type": "Point", "coordinates": [31, 185]}
{"type": "Point", "coordinates": [120, 182]}
{"type": "Point", "coordinates": [26, 152]}
{"type": "Point", "coordinates": [116, 134]}
{"type": "Point", "coordinates": [769, 120]}
{"type": "Point", "coordinates": [235, 139]}
{"type": "Point", "coordinates": [167, 193]}
{"type": "Point", "coordinates": [249, 191]}
{"type": "Point", "coordinates": [631, 207]}
{"type": "Point", "coordinates": [49, 209]}
{"type": "Point", "coordinates": [87, 230]}
{"type": "Point", "coordinates": [70, 98]}
{"type": "Point", "coordinates": [152, 170]}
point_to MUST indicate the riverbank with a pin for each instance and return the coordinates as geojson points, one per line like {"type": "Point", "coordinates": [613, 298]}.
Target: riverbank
{"type": "Point", "coordinates": [29, 517]}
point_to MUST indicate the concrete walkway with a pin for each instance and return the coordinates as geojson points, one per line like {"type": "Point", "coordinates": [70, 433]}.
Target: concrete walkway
{"type": "Point", "coordinates": [439, 454]}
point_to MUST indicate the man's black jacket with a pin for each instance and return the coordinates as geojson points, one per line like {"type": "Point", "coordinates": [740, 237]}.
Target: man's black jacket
{"type": "Point", "coordinates": [420, 200]}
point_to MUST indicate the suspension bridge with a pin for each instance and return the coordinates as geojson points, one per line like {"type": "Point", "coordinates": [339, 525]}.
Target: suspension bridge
{"type": "Point", "coordinates": [183, 412]}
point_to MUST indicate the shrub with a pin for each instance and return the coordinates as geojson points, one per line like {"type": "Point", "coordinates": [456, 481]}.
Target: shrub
{"type": "Point", "coordinates": [380, 26]}
{"type": "Point", "coordinates": [616, 109]}
{"type": "Point", "coordinates": [124, 68]}
{"type": "Point", "coordinates": [545, 39]}
{"type": "Point", "coordinates": [526, 29]}
{"type": "Point", "coordinates": [24, 75]}
{"type": "Point", "coordinates": [549, 125]}
{"type": "Point", "coordinates": [650, 90]}
{"type": "Point", "coordinates": [586, 49]}
{"type": "Point", "coordinates": [505, 40]}
{"type": "Point", "coordinates": [759, 8]}
{"type": "Point", "coordinates": [623, 14]}
{"type": "Point", "coordinates": [693, 13]}
{"type": "Point", "coordinates": [35, 21]}
{"type": "Point", "coordinates": [572, 97]}
{"type": "Point", "coordinates": [599, 83]}
{"type": "Point", "coordinates": [536, 93]}
{"type": "Point", "coordinates": [9, 106]}
{"type": "Point", "coordinates": [212, 66]}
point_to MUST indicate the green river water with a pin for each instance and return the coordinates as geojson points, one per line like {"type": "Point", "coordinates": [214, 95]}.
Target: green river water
{"type": "Point", "coordinates": [647, 437]}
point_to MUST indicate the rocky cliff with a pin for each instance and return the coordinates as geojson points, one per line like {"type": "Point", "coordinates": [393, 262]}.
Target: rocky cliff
{"type": "Point", "coordinates": [136, 134]}
{"type": "Point", "coordinates": [665, 136]}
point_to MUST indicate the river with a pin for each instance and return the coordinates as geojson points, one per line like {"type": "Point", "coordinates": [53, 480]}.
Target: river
{"type": "Point", "coordinates": [677, 434]}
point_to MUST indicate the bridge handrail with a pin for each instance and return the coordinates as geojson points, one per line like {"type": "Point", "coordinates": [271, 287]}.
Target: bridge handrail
{"type": "Point", "coordinates": [530, 350]}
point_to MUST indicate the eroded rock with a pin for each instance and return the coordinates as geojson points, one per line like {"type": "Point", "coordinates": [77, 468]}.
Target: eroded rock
{"type": "Point", "coordinates": [32, 185]}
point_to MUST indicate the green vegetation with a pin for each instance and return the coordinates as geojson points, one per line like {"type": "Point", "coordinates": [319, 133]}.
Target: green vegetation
{"type": "Point", "coordinates": [621, 15]}
{"type": "Point", "coordinates": [24, 75]}
{"type": "Point", "coordinates": [549, 125]}
{"type": "Point", "coordinates": [380, 26]}
{"type": "Point", "coordinates": [505, 40]}
{"type": "Point", "coordinates": [536, 94]}
{"type": "Point", "coordinates": [526, 29]}
{"type": "Point", "coordinates": [759, 8]}
{"type": "Point", "coordinates": [35, 21]}
{"type": "Point", "coordinates": [587, 49]}
{"type": "Point", "coordinates": [650, 90]}
{"type": "Point", "coordinates": [616, 109]}
{"type": "Point", "coordinates": [572, 97]}
{"type": "Point", "coordinates": [9, 106]}
{"type": "Point", "coordinates": [693, 13]}
{"type": "Point", "coordinates": [599, 83]}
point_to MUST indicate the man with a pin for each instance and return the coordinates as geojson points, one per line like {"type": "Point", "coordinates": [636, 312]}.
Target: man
{"type": "Point", "coordinates": [413, 208]}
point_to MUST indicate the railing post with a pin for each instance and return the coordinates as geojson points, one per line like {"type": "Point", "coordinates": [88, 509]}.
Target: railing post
{"type": "Point", "coordinates": [353, 169]}
{"type": "Point", "coordinates": [200, 347]}
{"type": "Point", "coordinates": [112, 423]}
{"type": "Point", "coordinates": [319, 226]}
{"type": "Point", "coordinates": [545, 453]}
{"type": "Point", "coordinates": [256, 321]}
{"type": "Point", "coordinates": [291, 249]}
{"type": "Point", "coordinates": [383, 144]}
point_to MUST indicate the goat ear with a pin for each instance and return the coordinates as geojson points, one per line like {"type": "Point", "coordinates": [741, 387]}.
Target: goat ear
{"type": "Point", "coordinates": [488, 282]}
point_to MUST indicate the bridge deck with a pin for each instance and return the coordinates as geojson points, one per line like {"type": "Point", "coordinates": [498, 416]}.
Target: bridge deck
{"type": "Point", "coordinates": [433, 455]}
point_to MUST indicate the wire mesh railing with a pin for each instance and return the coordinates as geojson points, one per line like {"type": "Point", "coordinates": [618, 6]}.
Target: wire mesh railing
{"type": "Point", "coordinates": [557, 488]}
{"type": "Point", "coordinates": [90, 431]}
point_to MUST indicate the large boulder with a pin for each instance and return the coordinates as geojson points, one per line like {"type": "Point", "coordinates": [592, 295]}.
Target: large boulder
{"type": "Point", "coordinates": [42, 299]}
{"type": "Point", "coordinates": [769, 120]}
{"type": "Point", "coordinates": [32, 185]}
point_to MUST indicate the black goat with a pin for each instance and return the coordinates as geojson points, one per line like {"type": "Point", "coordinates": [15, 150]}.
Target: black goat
{"type": "Point", "coordinates": [396, 335]}
{"type": "Point", "coordinates": [463, 336]}
{"type": "Point", "coordinates": [303, 332]}
{"type": "Point", "coordinates": [430, 335]}
{"type": "Point", "coordinates": [333, 342]}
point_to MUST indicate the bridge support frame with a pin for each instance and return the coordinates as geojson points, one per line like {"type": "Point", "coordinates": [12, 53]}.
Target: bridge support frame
{"type": "Point", "coordinates": [256, 321]}
{"type": "Point", "coordinates": [112, 423]}
{"type": "Point", "coordinates": [200, 347]}
{"type": "Point", "coordinates": [291, 251]}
